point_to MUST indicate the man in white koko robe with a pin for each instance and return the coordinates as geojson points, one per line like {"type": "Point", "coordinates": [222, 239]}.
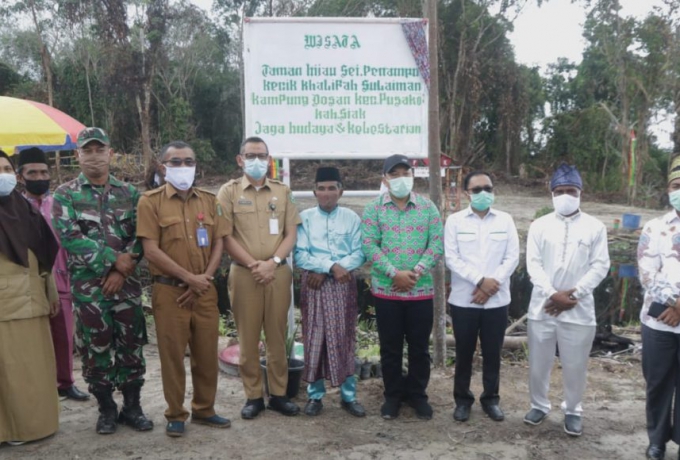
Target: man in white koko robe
{"type": "Point", "coordinates": [567, 258]}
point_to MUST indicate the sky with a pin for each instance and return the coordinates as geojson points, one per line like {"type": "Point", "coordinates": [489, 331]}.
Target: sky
{"type": "Point", "coordinates": [554, 30]}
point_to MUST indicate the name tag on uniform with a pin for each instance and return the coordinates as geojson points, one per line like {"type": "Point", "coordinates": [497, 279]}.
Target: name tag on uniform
{"type": "Point", "coordinates": [273, 226]}
{"type": "Point", "coordinates": [202, 237]}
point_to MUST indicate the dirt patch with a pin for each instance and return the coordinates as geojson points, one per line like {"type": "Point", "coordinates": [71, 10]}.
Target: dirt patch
{"type": "Point", "coordinates": [614, 426]}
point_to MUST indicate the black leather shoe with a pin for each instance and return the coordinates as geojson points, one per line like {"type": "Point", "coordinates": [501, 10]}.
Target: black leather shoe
{"type": "Point", "coordinates": [573, 425]}
{"type": "Point", "coordinates": [656, 452]}
{"type": "Point", "coordinates": [283, 405]}
{"type": "Point", "coordinates": [494, 412]}
{"type": "Point", "coordinates": [422, 407]}
{"type": "Point", "coordinates": [74, 393]}
{"type": "Point", "coordinates": [354, 408]}
{"type": "Point", "coordinates": [390, 409]}
{"type": "Point", "coordinates": [252, 408]}
{"type": "Point", "coordinates": [535, 417]}
{"type": "Point", "coordinates": [313, 407]}
{"type": "Point", "coordinates": [461, 414]}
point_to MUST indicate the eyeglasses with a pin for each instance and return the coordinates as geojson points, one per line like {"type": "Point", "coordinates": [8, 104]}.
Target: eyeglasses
{"type": "Point", "coordinates": [252, 156]}
{"type": "Point", "coordinates": [177, 162]}
{"type": "Point", "coordinates": [486, 188]}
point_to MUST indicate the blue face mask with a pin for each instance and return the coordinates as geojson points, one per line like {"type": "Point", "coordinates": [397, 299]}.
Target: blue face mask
{"type": "Point", "coordinates": [481, 201]}
{"type": "Point", "coordinates": [7, 183]}
{"type": "Point", "coordinates": [674, 198]}
{"type": "Point", "coordinates": [401, 186]}
{"type": "Point", "coordinates": [256, 168]}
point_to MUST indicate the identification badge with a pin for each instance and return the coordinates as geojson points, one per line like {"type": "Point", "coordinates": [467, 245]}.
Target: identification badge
{"type": "Point", "coordinates": [273, 226]}
{"type": "Point", "coordinates": [202, 237]}
{"type": "Point", "coordinates": [202, 232]}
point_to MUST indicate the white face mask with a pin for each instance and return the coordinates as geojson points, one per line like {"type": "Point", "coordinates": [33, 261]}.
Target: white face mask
{"type": "Point", "coordinates": [181, 178]}
{"type": "Point", "coordinates": [401, 186]}
{"type": "Point", "coordinates": [7, 183]}
{"type": "Point", "coordinates": [566, 205]}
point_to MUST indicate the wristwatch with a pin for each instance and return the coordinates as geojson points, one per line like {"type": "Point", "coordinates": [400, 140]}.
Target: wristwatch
{"type": "Point", "coordinates": [671, 300]}
{"type": "Point", "coordinates": [277, 260]}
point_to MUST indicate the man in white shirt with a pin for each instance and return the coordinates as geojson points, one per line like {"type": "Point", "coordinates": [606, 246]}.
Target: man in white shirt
{"type": "Point", "coordinates": [659, 267]}
{"type": "Point", "coordinates": [482, 252]}
{"type": "Point", "coordinates": [567, 258]}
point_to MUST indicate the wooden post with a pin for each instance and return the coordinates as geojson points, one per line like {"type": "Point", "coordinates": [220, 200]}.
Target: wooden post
{"type": "Point", "coordinates": [434, 155]}
{"type": "Point", "coordinates": [57, 165]}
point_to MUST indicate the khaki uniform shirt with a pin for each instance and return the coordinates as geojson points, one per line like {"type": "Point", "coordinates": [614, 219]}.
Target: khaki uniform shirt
{"type": "Point", "coordinates": [163, 216]}
{"type": "Point", "coordinates": [248, 213]}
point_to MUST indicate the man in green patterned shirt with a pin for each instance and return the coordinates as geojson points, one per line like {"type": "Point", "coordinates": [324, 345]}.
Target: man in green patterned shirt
{"type": "Point", "coordinates": [95, 217]}
{"type": "Point", "coordinates": [403, 239]}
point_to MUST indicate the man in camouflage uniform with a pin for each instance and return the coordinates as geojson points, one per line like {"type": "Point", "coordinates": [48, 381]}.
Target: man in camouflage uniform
{"type": "Point", "coordinates": [95, 217]}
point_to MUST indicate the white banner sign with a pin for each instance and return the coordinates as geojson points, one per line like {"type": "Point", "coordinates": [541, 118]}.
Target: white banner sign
{"type": "Point", "coordinates": [333, 88]}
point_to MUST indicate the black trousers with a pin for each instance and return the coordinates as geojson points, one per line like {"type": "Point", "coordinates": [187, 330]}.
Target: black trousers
{"type": "Point", "coordinates": [660, 367]}
{"type": "Point", "coordinates": [489, 325]}
{"type": "Point", "coordinates": [398, 320]}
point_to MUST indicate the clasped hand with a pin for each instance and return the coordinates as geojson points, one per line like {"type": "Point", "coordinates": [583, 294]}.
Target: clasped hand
{"type": "Point", "coordinates": [263, 271]}
{"type": "Point", "coordinates": [559, 302]}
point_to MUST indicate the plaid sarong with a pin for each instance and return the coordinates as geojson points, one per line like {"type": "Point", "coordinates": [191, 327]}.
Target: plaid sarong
{"type": "Point", "coordinates": [329, 319]}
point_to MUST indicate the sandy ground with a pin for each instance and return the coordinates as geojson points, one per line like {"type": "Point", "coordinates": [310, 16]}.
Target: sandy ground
{"type": "Point", "coordinates": [613, 425]}
{"type": "Point", "coordinates": [614, 418]}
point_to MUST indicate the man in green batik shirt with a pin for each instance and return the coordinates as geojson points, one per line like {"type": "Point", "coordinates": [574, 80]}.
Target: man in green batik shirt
{"type": "Point", "coordinates": [403, 239]}
{"type": "Point", "coordinates": [95, 217]}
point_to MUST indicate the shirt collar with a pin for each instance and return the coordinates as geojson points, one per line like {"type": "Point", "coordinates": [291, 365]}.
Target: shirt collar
{"type": "Point", "coordinates": [82, 180]}
{"type": "Point", "coordinates": [671, 217]}
{"type": "Point", "coordinates": [35, 200]}
{"type": "Point", "coordinates": [245, 183]}
{"type": "Point", "coordinates": [573, 218]}
{"type": "Point", "coordinates": [333, 212]}
{"type": "Point", "coordinates": [469, 212]}
{"type": "Point", "coordinates": [171, 191]}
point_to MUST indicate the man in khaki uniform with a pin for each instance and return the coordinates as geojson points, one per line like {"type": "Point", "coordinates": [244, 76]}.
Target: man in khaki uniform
{"type": "Point", "coordinates": [182, 229]}
{"type": "Point", "coordinates": [262, 227]}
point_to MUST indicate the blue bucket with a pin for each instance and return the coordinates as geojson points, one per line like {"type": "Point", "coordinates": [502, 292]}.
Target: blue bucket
{"type": "Point", "coordinates": [631, 221]}
{"type": "Point", "coordinates": [627, 271]}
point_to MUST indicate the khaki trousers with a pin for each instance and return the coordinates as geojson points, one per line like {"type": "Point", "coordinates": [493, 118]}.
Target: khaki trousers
{"type": "Point", "coordinates": [254, 306]}
{"type": "Point", "coordinates": [175, 329]}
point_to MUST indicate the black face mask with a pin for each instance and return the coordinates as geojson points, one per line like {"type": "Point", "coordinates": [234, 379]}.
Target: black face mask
{"type": "Point", "coordinates": [37, 187]}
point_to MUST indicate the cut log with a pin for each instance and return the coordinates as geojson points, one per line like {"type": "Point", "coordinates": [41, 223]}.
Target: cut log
{"type": "Point", "coordinates": [516, 324]}
{"type": "Point", "coordinates": [510, 343]}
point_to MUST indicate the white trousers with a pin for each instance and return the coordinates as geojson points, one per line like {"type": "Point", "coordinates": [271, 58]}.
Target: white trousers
{"type": "Point", "coordinates": [575, 342]}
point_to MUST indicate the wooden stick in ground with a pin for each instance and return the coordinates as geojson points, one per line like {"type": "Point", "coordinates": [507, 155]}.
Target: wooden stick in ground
{"type": "Point", "coordinates": [516, 324]}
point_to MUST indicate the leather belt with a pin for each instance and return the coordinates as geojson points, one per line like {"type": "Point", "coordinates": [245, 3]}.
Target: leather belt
{"type": "Point", "coordinates": [169, 281]}
{"type": "Point", "coordinates": [283, 262]}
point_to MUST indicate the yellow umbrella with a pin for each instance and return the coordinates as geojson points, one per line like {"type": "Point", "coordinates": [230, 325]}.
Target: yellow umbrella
{"type": "Point", "coordinates": [25, 124]}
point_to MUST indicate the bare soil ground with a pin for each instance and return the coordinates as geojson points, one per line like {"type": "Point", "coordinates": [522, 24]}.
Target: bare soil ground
{"type": "Point", "coordinates": [614, 425]}
{"type": "Point", "coordinates": [614, 410]}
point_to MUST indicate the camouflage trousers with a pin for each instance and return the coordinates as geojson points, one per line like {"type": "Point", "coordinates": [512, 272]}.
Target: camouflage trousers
{"type": "Point", "coordinates": [110, 337]}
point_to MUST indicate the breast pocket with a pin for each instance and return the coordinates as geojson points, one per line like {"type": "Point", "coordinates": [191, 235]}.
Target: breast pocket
{"type": "Point", "coordinates": [499, 239]}
{"type": "Point", "coordinates": [466, 238]}
{"type": "Point", "coordinates": [343, 241]}
{"type": "Point", "coordinates": [171, 228]}
{"type": "Point", "coordinates": [245, 219]}
{"type": "Point", "coordinates": [126, 221]}
{"type": "Point", "coordinates": [90, 225]}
